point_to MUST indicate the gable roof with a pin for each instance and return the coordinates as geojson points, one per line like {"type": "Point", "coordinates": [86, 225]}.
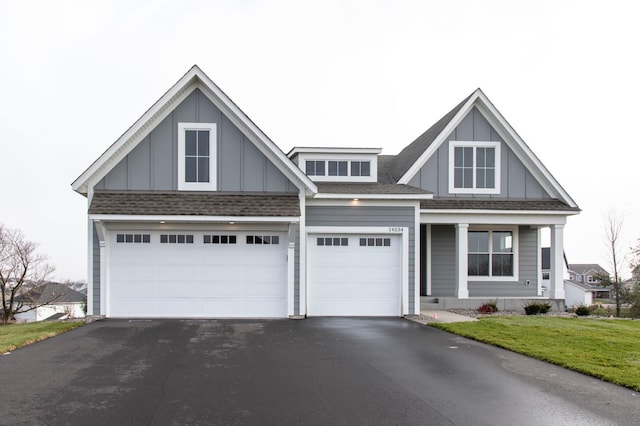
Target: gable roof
{"type": "Point", "coordinates": [194, 79]}
{"type": "Point", "coordinates": [52, 293]}
{"type": "Point", "coordinates": [411, 159]}
{"type": "Point", "coordinates": [583, 268]}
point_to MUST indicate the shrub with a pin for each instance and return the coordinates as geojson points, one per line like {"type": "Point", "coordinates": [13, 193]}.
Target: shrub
{"type": "Point", "coordinates": [582, 311]}
{"type": "Point", "coordinates": [532, 308]}
{"type": "Point", "coordinates": [488, 308]}
{"type": "Point", "coordinates": [535, 308]}
{"type": "Point", "coordinates": [544, 307]}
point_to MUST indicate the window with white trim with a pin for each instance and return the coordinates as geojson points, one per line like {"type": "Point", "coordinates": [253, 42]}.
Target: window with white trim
{"type": "Point", "coordinates": [197, 149]}
{"type": "Point", "coordinates": [263, 239]}
{"type": "Point", "coordinates": [332, 241]}
{"type": "Point", "coordinates": [474, 167]}
{"type": "Point", "coordinates": [176, 239]}
{"type": "Point", "coordinates": [375, 242]}
{"type": "Point", "coordinates": [491, 254]}
{"type": "Point", "coordinates": [219, 239]}
{"type": "Point", "coordinates": [338, 168]}
{"type": "Point", "coordinates": [133, 238]}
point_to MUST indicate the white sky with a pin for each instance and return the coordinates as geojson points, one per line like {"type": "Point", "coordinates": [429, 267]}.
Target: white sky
{"type": "Point", "coordinates": [74, 75]}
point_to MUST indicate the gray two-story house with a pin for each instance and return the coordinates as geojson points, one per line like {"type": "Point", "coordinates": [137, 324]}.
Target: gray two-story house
{"type": "Point", "coordinates": [194, 212]}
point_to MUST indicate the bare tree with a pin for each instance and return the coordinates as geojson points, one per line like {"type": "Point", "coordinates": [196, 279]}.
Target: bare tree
{"type": "Point", "coordinates": [22, 274]}
{"type": "Point", "coordinates": [613, 231]}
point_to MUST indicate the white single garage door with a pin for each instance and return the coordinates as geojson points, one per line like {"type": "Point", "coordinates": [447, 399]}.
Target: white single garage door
{"type": "Point", "coordinates": [354, 275]}
{"type": "Point", "coordinates": [197, 274]}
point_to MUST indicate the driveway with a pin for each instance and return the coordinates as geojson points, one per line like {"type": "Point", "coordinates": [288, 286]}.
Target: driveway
{"type": "Point", "coordinates": [319, 371]}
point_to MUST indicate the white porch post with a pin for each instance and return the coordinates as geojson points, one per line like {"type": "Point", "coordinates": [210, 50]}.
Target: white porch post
{"type": "Point", "coordinates": [291, 278]}
{"type": "Point", "coordinates": [557, 263]}
{"type": "Point", "coordinates": [462, 250]}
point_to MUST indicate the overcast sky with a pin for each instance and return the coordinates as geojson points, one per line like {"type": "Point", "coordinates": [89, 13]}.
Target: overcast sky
{"type": "Point", "coordinates": [76, 74]}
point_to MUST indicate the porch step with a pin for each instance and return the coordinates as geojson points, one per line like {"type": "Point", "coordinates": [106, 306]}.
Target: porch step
{"type": "Point", "coordinates": [425, 306]}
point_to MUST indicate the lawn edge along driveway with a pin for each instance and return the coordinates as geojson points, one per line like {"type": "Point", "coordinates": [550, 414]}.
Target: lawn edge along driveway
{"type": "Point", "coordinates": [14, 336]}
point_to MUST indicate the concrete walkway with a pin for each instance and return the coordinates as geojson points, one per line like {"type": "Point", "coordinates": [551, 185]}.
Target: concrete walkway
{"type": "Point", "coordinates": [437, 315]}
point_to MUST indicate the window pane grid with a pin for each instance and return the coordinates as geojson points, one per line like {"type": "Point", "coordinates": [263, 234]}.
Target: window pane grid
{"type": "Point", "coordinates": [474, 167]}
{"type": "Point", "coordinates": [196, 159]}
{"type": "Point", "coordinates": [490, 253]}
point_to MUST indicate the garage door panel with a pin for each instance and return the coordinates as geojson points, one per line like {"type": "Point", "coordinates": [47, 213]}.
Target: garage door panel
{"type": "Point", "coordinates": [353, 279]}
{"type": "Point", "coordinates": [197, 280]}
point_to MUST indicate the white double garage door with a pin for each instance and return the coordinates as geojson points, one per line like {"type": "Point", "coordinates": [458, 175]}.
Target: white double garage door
{"type": "Point", "coordinates": [183, 274]}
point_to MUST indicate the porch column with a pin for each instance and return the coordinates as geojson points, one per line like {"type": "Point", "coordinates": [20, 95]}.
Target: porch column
{"type": "Point", "coordinates": [291, 249]}
{"type": "Point", "coordinates": [462, 251]}
{"type": "Point", "coordinates": [556, 279]}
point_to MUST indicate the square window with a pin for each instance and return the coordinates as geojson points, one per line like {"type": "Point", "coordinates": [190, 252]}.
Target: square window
{"type": "Point", "coordinates": [275, 239]}
{"type": "Point", "coordinates": [266, 239]}
{"type": "Point", "coordinates": [189, 239]}
{"type": "Point", "coordinates": [120, 238]}
{"type": "Point", "coordinates": [387, 242]}
{"type": "Point", "coordinates": [128, 238]}
{"type": "Point", "coordinates": [224, 239]}
{"type": "Point", "coordinates": [249, 239]}
{"type": "Point", "coordinates": [371, 242]}
{"type": "Point", "coordinates": [232, 239]}
{"type": "Point", "coordinates": [378, 242]}
{"type": "Point", "coordinates": [320, 241]}
{"type": "Point", "coordinates": [474, 167]}
{"type": "Point", "coordinates": [164, 239]}
{"type": "Point", "coordinates": [344, 241]}
{"type": "Point", "coordinates": [336, 241]}
{"type": "Point", "coordinates": [257, 239]}
{"type": "Point", "coordinates": [146, 238]}
{"type": "Point", "coordinates": [172, 239]}
{"type": "Point", "coordinates": [180, 239]}
{"type": "Point", "coordinates": [363, 242]}
{"type": "Point", "coordinates": [215, 239]}
{"type": "Point", "coordinates": [328, 241]}
{"type": "Point", "coordinates": [206, 239]}
{"type": "Point", "coordinates": [137, 238]}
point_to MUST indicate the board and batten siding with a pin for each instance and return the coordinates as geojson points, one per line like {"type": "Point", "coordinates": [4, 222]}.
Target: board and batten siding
{"type": "Point", "coordinates": [443, 260]}
{"type": "Point", "coordinates": [528, 270]}
{"type": "Point", "coordinates": [370, 216]}
{"type": "Point", "coordinates": [515, 180]}
{"type": "Point", "coordinates": [153, 163]}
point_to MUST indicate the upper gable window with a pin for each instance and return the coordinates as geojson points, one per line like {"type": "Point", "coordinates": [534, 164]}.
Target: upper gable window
{"type": "Point", "coordinates": [197, 156]}
{"type": "Point", "coordinates": [338, 168]}
{"type": "Point", "coordinates": [474, 167]}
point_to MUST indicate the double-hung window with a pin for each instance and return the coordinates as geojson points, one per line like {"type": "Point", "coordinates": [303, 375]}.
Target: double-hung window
{"type": "Point", "coordinates": [492, 254]}
{"type": "Point", "coordinates": [474, 167]}
{"type": "Point", "coordinates": [197, 156]}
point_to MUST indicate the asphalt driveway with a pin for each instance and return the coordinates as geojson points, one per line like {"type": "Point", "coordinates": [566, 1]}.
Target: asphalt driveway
{"type": "Point", "coordinates": [320, 371]}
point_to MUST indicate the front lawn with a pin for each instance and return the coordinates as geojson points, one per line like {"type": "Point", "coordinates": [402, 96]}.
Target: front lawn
{"type": "Point", "coordinates": [13, 336]}
{"type": "Point", "coordinates": [607, 349]}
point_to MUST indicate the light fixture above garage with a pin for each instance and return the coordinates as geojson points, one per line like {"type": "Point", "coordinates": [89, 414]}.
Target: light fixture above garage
{"type": "Point", "coordinates": [162, 221]}
{"type": "Point", "coordinates": [232, 223]}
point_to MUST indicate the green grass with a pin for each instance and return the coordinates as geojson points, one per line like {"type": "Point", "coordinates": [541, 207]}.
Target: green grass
{"type": "Point", "coordinates": [13, 336]}
{"type": "Point", "coordinates": [607, 349]}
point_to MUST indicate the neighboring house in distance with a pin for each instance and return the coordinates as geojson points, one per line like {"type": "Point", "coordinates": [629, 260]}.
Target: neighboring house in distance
{"type": "Point", "coordinates": [588, 276]}
{"type": "Point", "coordinates": [195, 212]}
{"type": "Point", "coordinates": [57, 299]}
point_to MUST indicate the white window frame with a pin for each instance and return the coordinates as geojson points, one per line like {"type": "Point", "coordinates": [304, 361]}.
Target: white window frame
{"type": "Point", "coordinates": [516, 253]}
{"type": "Point", "coordinates": [473, 144]}
{"type": "Point", "coordinates": [372, 160]}
{"type": "Point", "coordinates": [212, 185]}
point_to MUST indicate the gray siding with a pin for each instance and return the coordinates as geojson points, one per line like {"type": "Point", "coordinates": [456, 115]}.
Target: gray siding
{"type": "Point", "coordinates": [294, 236]}
{"type": "Point", "coordinates": [152, 165]}
{"type": "Point", "coordinates": [370, 216]}
{"type": "Point", "coordinates": [528, 270]}
{"type": "Point", "coordinates": [515, 180]}
{"type": "Point", "coordinates": [95, 273]}
{"type": "Point", "coordinates": [443, 260]}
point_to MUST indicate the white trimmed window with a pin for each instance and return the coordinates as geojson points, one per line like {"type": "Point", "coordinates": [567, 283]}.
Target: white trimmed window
{"type": "Point", "coordinates": [474, 167]}
{"type": "Point", "coordinates": [197, 150]}
{"type": "Point", "coordinates": [493, 255]}
{"type": "Point", "coordinates": [339, 169]}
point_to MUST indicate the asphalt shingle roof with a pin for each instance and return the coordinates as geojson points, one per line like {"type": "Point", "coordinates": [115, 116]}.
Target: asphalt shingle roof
{"type": "Point", "coordinates": [408, 156]}
{"type": "Point", "coordinates": [368, 188]}
{"type": "Point", "coordinates": [176, 203]}
{"type": "Point", "coordinates": [494, 204]}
